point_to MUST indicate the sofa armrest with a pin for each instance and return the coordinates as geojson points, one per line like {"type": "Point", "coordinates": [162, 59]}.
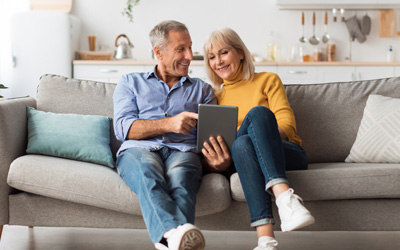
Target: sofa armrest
{"type": "Point", "coordinates": [13, 141]}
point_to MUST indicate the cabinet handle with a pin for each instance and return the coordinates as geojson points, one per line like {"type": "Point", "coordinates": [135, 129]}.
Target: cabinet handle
{"type": "Point", "coordinates": [108, 70]}
{"type": "Point", "coordinates": [297, 72]}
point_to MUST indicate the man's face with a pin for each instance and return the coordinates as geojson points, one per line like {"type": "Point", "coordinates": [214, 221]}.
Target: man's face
{"type": "Point", "coordinates": [177, 55]}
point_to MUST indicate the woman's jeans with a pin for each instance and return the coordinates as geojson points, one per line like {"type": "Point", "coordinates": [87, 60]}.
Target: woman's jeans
{"type": "Point", "coordinates": [166, 182]}
{"type": "Point", "coordinates": [261, 158]}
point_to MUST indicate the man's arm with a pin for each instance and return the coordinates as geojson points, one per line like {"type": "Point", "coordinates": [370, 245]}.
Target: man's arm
{"type": "Point", "coordinates": [182, 123]}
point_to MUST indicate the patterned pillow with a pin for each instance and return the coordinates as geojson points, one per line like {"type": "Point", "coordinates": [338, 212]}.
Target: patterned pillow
{"type": "Point", "coordinates": [378, 138]}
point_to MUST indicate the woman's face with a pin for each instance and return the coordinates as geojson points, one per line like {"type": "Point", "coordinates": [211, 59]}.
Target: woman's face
{"type": "Point", "coordinates": [225, 61]}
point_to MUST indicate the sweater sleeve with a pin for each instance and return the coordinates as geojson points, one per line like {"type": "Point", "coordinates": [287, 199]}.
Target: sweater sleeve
{"type": "Point", "coordinates": [279, 105]}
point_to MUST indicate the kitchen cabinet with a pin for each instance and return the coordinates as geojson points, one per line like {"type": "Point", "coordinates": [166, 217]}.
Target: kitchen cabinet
{"type": "Point", "coordinates": [113, 73]}
{"type": "Point", "coordinates": [397, 71]}
{"type": "Point", "coordinates": [264, 68]}
{"type": "Point", "coordinates": [105, 73]}
{"type": "Point", "coordinates": [199, 72]}
{"type": "Point", "coordinates": [290, 73]}
{"type": "Point", "coordinates": [373, 72]}
{"type": "Point", "coordinates": [297, 74]}
{"type": "Point", "coordinates": [353, 73]}
{"type": "Point", "coordinates": [335, 74]}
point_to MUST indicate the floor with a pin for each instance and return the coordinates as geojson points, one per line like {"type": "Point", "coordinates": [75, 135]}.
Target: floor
{"type": "Point", "coordinates": [42, 238]}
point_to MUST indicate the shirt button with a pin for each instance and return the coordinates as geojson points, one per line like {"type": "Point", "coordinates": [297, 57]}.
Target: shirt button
{"type": "Point", "coordinates": [165, 113]}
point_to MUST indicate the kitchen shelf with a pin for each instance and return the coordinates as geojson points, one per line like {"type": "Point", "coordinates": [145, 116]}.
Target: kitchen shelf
{"type": "Point", "coordinates": [315, 5]}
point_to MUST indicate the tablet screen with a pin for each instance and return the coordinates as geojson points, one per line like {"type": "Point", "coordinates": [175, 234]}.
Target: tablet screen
{"type": "Point", "coordinates": [216, 120]}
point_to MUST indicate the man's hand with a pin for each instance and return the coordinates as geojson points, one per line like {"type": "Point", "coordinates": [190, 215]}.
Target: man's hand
{"type": "Point", "coordinates": [182, 123]}
{"type": "Point", "coordinates": [217, 157]}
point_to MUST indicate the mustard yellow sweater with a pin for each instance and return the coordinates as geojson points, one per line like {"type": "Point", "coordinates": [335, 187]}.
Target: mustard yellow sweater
{"type": "Point", "coordinates": [265, 89]}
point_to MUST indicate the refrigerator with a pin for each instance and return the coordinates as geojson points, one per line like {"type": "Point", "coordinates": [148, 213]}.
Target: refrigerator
{"type": "Point", "coordinates": [43, 42]}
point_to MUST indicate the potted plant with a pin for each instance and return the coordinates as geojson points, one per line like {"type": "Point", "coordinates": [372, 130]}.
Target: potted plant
{"type": "Point", "coordinates": [128, 10]}
{"type": "Point", "coordinates": [2, 87]}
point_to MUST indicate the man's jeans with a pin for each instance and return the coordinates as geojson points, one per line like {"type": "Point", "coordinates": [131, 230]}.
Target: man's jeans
{"type": "Point", "coordinates": [261, 158]}
{"type": "Point", "coordinates": [166, 182]}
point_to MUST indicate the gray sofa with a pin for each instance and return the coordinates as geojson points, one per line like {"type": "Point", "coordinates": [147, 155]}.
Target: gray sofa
{"type": "Point", "coordinates": [38, 190]}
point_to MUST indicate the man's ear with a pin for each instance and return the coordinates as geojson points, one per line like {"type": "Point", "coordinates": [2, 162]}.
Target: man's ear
{"type": "Point", "coordinates": [158, 52]}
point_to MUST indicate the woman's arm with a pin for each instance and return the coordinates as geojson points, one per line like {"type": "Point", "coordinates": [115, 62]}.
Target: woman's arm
{"type": "Point", "coordinates": [217, 157]}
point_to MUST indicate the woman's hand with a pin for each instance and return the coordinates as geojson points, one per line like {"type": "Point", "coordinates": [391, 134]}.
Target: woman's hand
{"type": "Point", "coordinates": [217, 156]}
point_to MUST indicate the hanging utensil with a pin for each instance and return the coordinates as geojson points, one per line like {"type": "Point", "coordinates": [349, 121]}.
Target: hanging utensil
{"type": "Point", "coordinates": [334, 15]}
{"type": "Point", "coordinates": [325, 37]}
{"type": "Point", "coordinates": [342, 15]}
{"type": "Point", "coordinates": [302, 39]}
{"type": "Point", "coordinates": [314, 40]}
{"type": "Point", "coordinates": [366, 24]}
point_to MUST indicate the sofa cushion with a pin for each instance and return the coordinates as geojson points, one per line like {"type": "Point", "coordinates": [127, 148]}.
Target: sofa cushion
{"type": "Point", "coordinates": [339, 181]}
{"type": "Point", "coordinates": [59, 94]}
{"type": "Point", "coordinates": [99, 186]}
{"type": "Point", "coordinates": [328, 115]}
{"type": "Point", "coordinates": [72, 136]}
{"type": "Point", "coordinates": [378, 138]}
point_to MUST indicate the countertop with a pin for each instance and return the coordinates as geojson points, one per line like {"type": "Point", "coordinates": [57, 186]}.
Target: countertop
{"type": "Point", "coordinates": [200, 62]}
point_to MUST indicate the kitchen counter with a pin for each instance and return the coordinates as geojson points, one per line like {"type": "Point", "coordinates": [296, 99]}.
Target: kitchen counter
{"type": "Point", "coordinates": [200, 62]}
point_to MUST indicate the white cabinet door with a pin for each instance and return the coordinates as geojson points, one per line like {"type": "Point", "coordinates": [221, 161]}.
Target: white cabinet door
{"type": "Point", "coordinates": [266, 68]}
{"type": "Point", "coordinates": [374, 72]}
{"type": "Point", "coordinates": [105, 73]}
{"type": "Point", "coordinates": [199, 71]}
{"type": "Point", "coordinates": [297, 74]}
{"type": "Point", "coordinates": [336, 74]}
{"type": "Point", "coordinates": [397, 71]}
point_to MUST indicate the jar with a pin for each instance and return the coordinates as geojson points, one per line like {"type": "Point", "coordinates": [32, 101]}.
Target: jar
{"type": "Point", "coordinates": [318, 56]}
{"type": "Point", "coordinates": [331, 52]}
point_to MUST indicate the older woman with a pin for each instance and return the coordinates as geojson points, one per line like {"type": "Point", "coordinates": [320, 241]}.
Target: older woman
{"type": "Point", "coordinates": [267, 143]}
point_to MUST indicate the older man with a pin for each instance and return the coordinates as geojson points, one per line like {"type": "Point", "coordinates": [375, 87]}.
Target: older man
{"type": "Point", "coordinates": [155, 115]}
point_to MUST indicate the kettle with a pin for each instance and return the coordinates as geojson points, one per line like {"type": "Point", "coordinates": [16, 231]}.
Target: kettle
{"type": "Point", "coordinates": [123, 49]}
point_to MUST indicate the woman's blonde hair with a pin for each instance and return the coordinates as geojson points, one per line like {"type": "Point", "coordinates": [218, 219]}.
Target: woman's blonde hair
{"type": "Point", "coordinates": [222, 38]}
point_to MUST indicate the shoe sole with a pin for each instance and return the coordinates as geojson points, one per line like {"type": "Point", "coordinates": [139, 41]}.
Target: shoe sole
{"type": "Point", "coordinates": [302, 222]}
{"type": "Point", "coordinates": [192, 240]}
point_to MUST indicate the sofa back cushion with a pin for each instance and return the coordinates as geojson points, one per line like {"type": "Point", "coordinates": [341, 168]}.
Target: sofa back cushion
{"type": "Point", "coordinates": [328, 115]}
{"type": "Point", "coordinates": [59, 94]}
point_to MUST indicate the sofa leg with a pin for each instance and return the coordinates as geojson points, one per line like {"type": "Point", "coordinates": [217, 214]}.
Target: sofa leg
{"type": "Point", "coordinates": [1, 231]}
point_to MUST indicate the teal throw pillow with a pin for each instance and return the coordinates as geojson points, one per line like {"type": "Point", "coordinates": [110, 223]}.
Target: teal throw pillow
{"type": "Point", "coordinates": [77, 137]}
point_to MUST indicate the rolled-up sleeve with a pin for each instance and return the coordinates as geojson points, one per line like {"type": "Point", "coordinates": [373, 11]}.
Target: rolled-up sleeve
{"type": "Point", "coordinates": [125, 109]}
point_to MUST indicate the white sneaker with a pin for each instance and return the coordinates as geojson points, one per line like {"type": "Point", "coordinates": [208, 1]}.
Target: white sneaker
{"type": "Point", "coordinates": [270, 245]}
{"type": "Point", "coordinates": [292, 212]}
{"type": "Point", "coordinates": [185, 237]}
{"type": "Point", "coordinates": [160, 246]}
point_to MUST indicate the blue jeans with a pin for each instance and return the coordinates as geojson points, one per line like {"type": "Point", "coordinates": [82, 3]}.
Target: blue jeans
{"type": "Point", "coordinates": [166, 182]}
{"type": "Point", "coordinates": [261, 159]}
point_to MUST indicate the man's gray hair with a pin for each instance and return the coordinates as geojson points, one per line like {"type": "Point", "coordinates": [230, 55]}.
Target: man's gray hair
{"type": "Point", "coordinates": [159, 34]}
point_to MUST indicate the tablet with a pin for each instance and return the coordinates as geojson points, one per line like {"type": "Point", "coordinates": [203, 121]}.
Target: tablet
{"type": "Point", "coordinates": [216, 120]}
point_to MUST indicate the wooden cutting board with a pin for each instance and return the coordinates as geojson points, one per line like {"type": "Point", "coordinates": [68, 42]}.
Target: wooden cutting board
{"type": "Point", "coordinates": [53, 5]}
{"type": "Point", "coordinates": [386, 23]}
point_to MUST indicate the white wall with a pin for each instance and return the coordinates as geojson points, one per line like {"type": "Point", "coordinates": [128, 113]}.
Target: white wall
{"type": "Point", "coordinates": [252, 19]}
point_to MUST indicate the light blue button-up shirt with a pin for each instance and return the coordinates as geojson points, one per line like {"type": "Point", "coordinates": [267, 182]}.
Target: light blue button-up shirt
{"type": "Point", "coordinates": [145, 96]}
